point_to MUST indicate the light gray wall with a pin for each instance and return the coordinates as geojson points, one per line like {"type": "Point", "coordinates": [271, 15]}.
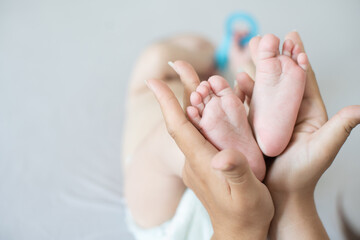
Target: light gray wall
{"type": "Point", "coordinates": [64, 67]}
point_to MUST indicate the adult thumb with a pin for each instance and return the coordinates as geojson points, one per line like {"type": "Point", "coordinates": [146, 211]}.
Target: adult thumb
{"type": "Point", "coordinates": [334, 133]}
{"type": "Point", "coordinates": [234, 167]}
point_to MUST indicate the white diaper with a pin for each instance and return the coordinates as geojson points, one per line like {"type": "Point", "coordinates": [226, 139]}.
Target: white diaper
{"type": "Point", "coordinates": [190, 222]}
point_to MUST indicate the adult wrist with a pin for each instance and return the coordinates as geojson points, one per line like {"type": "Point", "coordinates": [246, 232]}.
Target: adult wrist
{"type": "Point", "coordinates": [290, 208]}
{"type": "Point", "coordinates": [256, 232]}
{"type": "Point", "coordinates": [296, 217]}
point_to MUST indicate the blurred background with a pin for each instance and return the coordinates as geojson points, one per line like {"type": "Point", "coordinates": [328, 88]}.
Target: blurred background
{"type": "Point", "coordinates": [64, 70]}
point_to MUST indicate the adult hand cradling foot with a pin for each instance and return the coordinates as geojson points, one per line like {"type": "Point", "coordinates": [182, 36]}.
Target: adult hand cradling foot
{"type": "Point", "coordinates": [210, 173]}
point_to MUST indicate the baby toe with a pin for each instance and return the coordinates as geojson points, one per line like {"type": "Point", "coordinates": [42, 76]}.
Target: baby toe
{"type": "Point", "coordinates": [295, 52]}
{"type": "Point", "coordinates": [220, 86]}
{"type": "Point", "coordinates": [268, 47]}
{"type": "Point", "coordinates": [197, 101]}
{"type": "Point", "coordinates": [204, 91]}
{"type": "Point", "coordinates": [288, 47]}
{"type": "Point", "coordinates": [303, 61]}
{"type": "Point", "coordinates": [194, 115]}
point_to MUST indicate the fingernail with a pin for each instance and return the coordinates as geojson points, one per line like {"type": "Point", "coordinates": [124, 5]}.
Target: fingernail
{"type": "Point", "coordinates": [235, 83]}
{"type": "Point", "coordinates": [294, 30]}
{"type": "Point", "coordinates": [146, 82]}
{"type": "Point", "coordinates": [172, 65]}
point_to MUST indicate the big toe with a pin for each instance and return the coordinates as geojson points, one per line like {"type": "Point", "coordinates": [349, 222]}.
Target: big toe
{"type": "Point", "coordinates": [219, 86]}
{"type": "Point", "coordinates": [268, 47]}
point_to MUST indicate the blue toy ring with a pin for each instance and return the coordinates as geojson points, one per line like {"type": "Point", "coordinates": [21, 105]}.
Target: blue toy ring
{"type": "Point", "coordinates": [222, 52]}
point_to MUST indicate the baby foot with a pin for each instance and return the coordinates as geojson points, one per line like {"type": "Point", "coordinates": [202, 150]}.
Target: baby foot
{"type": "Point", "coordinates": [278, 91]}
{"type": "Point", "coordinates": [221, 117]}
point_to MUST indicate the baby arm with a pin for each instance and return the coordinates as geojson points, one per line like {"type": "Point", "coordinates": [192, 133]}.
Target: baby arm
{"type": "Point", "coordinates": [156, 163]}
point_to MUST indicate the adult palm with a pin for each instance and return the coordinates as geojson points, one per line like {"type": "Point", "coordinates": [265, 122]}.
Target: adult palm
{"type": "Point", "coordinates": [315, 141]}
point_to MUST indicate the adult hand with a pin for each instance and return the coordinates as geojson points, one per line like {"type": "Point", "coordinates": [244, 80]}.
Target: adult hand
{"type": "Point", "coordinates": [240, 206]}
{"type": "Point", "coordinates": [294, 174]}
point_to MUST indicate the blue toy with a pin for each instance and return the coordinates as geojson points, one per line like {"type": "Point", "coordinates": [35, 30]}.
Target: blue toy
{"type": "Point", "coordinates": [221, 55]}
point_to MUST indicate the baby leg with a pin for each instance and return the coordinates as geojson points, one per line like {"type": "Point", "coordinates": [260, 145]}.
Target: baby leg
{"type": "Point", "coordinates": [153, 184]}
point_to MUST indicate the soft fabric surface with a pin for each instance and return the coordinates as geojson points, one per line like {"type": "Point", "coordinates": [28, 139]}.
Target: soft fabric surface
{"type": "Point", "coordinates": [190, 222]}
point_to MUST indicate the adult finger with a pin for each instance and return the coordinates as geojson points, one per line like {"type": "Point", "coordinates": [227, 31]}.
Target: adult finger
{"type": "Point", "coordinates": [188, 77]}
{"type": "Point", "coordinates": [312, 93]}
{"type": "Point", "coordinates": [194, 146]}
{"type": "Point", "coordinates": [311, 88]}
{"type": "Point", "coordinates": [334, 133]}
{"type": "Point", "coordinates": [234, 166]}
{"type": "Point", "coordinates": [295, 37]}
